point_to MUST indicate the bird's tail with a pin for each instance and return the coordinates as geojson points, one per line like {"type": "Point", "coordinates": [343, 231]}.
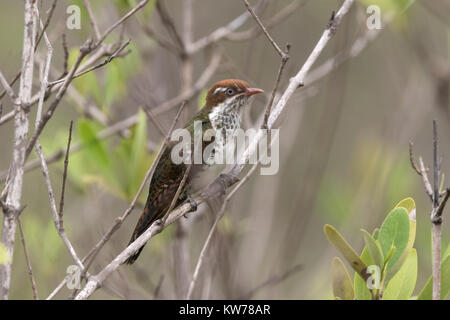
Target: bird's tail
{"type": "Point", "coordinates": [135, 255]}
{"type": "Point", "coordinates": [144, 222]}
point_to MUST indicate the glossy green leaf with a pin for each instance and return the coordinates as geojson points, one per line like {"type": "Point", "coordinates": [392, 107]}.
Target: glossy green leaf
{"type": "Point", "coordinates": [374, 248]}
{"type": "Point", "coordinates": [336, 239]}
{"type": "Point", "coordinates": [395, 231]}
{"type": "Point", "coordinates": [410, 206]}
{"type": "Point", "coordinates": [342, 283]}
{"type": "Point", "coordinates": [401, 286]}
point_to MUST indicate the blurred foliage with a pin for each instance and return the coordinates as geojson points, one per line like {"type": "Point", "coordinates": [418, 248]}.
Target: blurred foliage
{"type": "Point", "coordinates": [116, 76]}
{"type": "Point", "coordinates": [118, 168]}
{"type": "Point", "coordinates": [390, 250]}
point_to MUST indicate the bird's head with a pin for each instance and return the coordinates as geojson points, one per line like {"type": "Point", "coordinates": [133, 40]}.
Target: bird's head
{"type": "Point", "coordinates": [229, 95]}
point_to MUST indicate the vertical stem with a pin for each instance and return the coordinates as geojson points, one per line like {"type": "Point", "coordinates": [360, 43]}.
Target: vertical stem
{"type": "Point", "coordinates": [435, 167]}
{"type": "Point", "coordinates": [436, 221]}
{"type": "Point", "coordinates": [436, 229]}
{"type": "Point", "coordinates": [15, 178]}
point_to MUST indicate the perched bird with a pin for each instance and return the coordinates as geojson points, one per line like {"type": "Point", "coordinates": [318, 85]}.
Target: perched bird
{"type": "Point", "coordinates": [222, 113]}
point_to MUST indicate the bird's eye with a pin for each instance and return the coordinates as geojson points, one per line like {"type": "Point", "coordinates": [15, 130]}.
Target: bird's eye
{"type": "Point", "coordinates": [230, 91]}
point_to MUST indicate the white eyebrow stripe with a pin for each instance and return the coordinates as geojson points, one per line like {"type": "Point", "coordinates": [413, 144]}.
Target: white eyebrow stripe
{"type": "Point", "coordinates": [220, 89]}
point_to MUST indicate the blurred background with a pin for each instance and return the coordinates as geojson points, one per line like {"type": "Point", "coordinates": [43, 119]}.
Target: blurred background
{"type": "Point", "coordinates": [343, 142]}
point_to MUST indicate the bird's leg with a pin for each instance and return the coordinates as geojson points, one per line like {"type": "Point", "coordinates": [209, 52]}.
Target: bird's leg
{"type": "Point", "coordinates": [187, 196]}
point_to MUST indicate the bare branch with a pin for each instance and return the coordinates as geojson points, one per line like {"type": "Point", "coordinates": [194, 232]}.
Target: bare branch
{"type": "Point", "coordinates": [8, 89]}
{"type": "Point", "coordinates": [27, 258]}
{"type": "Point", "coordinates": [63, 188]}
{"type": "Point", "coordinates": [15, 180]}
{"type": "Point", "coordinates": [282, 54]}
{"type": "Point", "coordinates": [106, 61]}
{"type": "Point", "coordinates": [279, 17]}
{"type": "Point", "coordinates": [92, 19]}
{"type": "Point", "coordinates": [222, 32]}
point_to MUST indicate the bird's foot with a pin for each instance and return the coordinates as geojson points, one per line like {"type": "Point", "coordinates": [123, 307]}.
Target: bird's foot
{"type": "Point", "coordinates": [192, 202]}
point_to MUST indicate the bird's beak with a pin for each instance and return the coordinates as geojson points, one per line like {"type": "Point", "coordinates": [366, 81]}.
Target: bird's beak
{"type": "Point", "coordinates": [251, 91]}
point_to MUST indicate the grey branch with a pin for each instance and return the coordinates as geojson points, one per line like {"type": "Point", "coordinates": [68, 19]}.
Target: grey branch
{"type": "Point", "coordinates": [15, 179]}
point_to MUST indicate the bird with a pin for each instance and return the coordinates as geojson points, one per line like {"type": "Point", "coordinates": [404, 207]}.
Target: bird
{"type": "Point", "coordinates": [222, 112]}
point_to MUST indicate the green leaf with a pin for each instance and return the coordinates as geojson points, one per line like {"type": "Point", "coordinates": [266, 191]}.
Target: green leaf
{"type": "Point", "coordinates": [374, 248]}
{"type": "Point", "coordinates": [336, 239]}
{"type": "Point", "coordinates": [401, 286]}
{"type": "Point", "coordinates": [389, 254]}
{"type": "Point", "coordinates": [202, 98]}
{"type": "Point", "coordinates": [410, 206]}
{"type": "Point", "coordinates": [395, 231]}
{"type": "Point", "coordinates": [87, 84]}
{"type": "Point", "coordinates": [426, 293]}
{"type": "Point", "coordinates": [342, 283]}
{"type": "Point", "coordinates": [114, 85]}
{"type": "Point", "coordinates": [362, 292]}
{"type": "Point", "coordinates": [4, 254]}
{"type": "Point", "coordinates": [376, 233]}
{"type": "Point", "coordinates": [94, 147]}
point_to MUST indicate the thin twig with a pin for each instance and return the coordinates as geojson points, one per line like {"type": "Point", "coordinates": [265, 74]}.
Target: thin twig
{"type": "Point", "coordinates": [7, 88]}
{"type": "Point", "coordinates": [272, 281]}
{"type": "Point", "coordinates": [92, 19]}
{"type": "Point", "coordinates": [28, 260]}
{"type": "Point", "coordinates": [211, 232]}
{"type": "Point", "coordinates": [104, 62]}
{"type": "Point", "coordinates": [47, 22]}
{"type": "Point", "coordinates": [170, 26]}
{"type": "Point", "coordinates": [63, 188]}
{"type": "Point", "coordinates": [283, 55]}
{"type": "Point", "coordinates": [279, 17]}
{"type": "Point", "coordinates": [284, 60]}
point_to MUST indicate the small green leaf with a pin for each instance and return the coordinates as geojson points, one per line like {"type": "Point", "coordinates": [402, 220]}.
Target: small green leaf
{"type": "Point", "coordinates": [336, 239]}
{"type": "Point", "coordinates": [389, 254]}
{"type": "Point", "coordinates": [202, 99]}
{"type": "Point", "coordinates": [401, 286]}
{"type": "Point", "coordinates": [376, 233]}
{"type": "Point", "coordinates": [395, 231]}
{"type": "Point", "coordinates": [410, 206]}
{"type": "Point", "coordinates": [342, 283]}
{"type": "Point", "coordinates": [374, 248]}
{"type": "Point", "coordinates": [95, 148]}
